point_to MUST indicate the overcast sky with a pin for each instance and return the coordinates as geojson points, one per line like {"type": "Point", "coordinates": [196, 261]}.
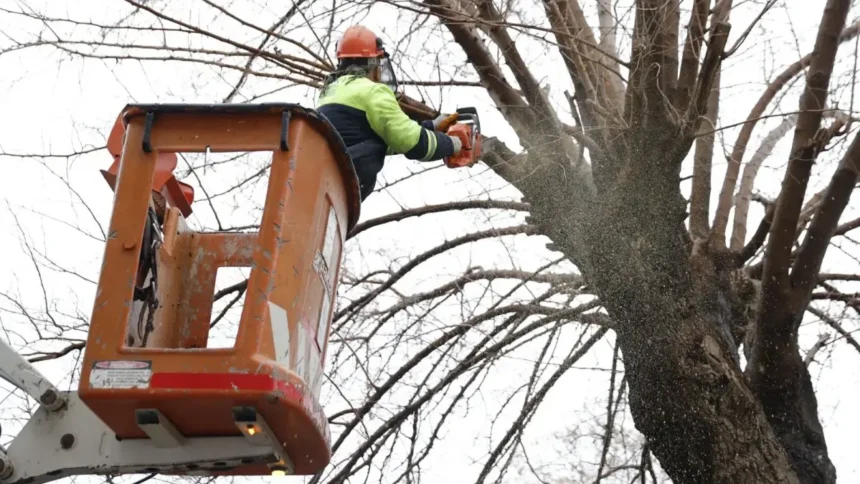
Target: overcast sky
{"type": "Point", "coordinates": [55, 104]}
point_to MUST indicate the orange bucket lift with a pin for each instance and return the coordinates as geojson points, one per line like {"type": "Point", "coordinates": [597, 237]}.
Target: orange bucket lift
{"type": "Point", "coordinates": [162, 401]}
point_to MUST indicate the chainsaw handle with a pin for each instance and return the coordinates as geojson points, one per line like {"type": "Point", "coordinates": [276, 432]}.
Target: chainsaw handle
{"type": "Point", "coordinates": [462, 114]}
{"type": "Point", "coordinates": [467, 111]}
{"type": "Point", "coordinates": [449, 121]}
{"type": "Point", "coordinates": [470, 114]}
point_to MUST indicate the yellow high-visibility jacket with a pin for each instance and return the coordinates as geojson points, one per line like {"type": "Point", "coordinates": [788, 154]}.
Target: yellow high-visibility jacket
{"type": "Point", "coordinates": [368, 117]}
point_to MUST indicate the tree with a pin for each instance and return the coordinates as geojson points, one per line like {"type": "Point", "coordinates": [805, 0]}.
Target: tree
{"type": "Point", "coordinates": [604, 183]}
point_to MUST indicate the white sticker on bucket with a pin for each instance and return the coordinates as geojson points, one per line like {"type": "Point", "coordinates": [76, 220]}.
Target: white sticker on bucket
{"type": "Point", "coordinates": [121, 374]}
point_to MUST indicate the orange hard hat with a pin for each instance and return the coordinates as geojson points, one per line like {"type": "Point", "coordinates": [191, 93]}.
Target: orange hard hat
{"type": "Point", "coordinates": [359, 42]}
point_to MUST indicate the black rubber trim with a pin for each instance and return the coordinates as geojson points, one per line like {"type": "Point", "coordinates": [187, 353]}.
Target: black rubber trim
{"type": "Point", "coordinates": [147, 132]}
{"type": "Point", "coordinates": [285, 130]}
{"type": "Point", "coordinates": [146, 416]}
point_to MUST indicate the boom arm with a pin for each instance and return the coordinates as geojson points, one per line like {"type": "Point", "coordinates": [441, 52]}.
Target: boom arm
{"type": "Point", "coordinates": [73, 441]}
{"type": "Point", "coordinates": [19, 372]}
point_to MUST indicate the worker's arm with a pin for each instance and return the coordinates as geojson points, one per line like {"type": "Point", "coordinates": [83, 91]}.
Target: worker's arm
{"type": "Point", "coordinates": [401, 134]}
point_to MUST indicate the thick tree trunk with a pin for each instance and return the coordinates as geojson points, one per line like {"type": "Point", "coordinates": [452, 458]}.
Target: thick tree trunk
{"type": "Point", "coordinates": [689, 399]}
{"type": "Point", "coordinates": [687, 393]}
{"type": "Point", "coordinates": [673, 312]}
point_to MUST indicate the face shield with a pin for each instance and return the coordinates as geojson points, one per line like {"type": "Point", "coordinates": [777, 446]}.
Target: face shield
{"type": "Point", "coordinates": [386, 73]}
{"type": "Point", "coordinates": [386, 69]}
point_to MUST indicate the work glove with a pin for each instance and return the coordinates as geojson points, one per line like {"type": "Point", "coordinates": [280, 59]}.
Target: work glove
{"type": "Point", "coordinates": [444, 121]}
{"type": "Point", "coordinates": [458, 145]}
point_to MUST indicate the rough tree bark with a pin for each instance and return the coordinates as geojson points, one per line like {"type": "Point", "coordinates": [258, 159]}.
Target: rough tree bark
{"type": "Point", "coordinates": [621, 218]}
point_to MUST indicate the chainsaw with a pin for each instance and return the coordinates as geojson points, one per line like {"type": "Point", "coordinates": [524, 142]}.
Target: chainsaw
{"type": "Point", "coordinates": [468, 129]}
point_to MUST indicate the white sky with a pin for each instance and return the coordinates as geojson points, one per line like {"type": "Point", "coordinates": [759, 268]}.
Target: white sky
{"type": "Point", "coordinates": [54, 104]}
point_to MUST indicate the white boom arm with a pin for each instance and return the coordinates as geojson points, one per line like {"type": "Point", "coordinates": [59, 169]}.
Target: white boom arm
{"type": "Point", "coordinates": [19, 372]}
{"type": "Point", "coordinates": [65, 438]}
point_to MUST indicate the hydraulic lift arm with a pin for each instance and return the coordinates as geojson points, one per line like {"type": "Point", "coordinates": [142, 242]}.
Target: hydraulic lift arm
{"type": "Point", "coordinates": [21, 373]}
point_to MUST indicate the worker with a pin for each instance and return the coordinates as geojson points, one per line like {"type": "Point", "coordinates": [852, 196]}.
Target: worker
{"type": "Point", "coordinates": [358, 99]}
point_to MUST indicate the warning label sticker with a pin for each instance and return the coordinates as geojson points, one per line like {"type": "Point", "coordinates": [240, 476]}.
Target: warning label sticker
{"type": "Point", "coordinates": [121, 374]}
